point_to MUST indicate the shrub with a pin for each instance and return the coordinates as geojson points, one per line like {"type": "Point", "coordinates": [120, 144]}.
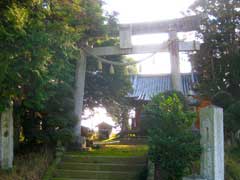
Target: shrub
{"type": "Point", "coordinates": [232, 159]}
{"type": "Point", "coordinates": [172, 145]}
{"type": "Point", "coordinates": [231, 122]}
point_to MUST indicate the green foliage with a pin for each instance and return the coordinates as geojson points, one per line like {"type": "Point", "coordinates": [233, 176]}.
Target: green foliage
{"type": "Point", "coordinates": [232, 170]}
{"type": "Point", "coordinates": [172, 144]}
{"type": "Point", "coordinates": [231, 114]}
{"type": "Point", "coordinates": [222, 99]}
{"type": "Point", "coordinates": [151, 111]}
{"type": "Point", "coordinates": [232, 167]}
{"type": "Point", "coordinates": [38, 53]}
{"type": "Point", "coordinates": [231, 121]}
{"type": "Point", "coordinates": [217, 62]}
{"type": "Point", "coordinates": [105, 89]}
{"type": "Point", "coordinates": [39, 47]}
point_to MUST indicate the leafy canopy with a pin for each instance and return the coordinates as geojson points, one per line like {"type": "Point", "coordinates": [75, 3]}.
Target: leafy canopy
{"type": "Point", "coordinates": [217, 62]}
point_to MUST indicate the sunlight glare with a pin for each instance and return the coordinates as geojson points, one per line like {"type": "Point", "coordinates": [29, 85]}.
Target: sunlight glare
{"type": "Point", "coordinates": [147, 11]}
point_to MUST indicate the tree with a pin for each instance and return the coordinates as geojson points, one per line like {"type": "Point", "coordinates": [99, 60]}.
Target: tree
{"type": "Point", "coordinates": [172, 145]}
{"type": "Point", "coordinates": [217, 62]}
{"type": "Point", "coordinates": [38, 53]}
{"type": "Point", "coordinates": [104, 88]}
{"type": "Point", "coordinates": [40, 43]}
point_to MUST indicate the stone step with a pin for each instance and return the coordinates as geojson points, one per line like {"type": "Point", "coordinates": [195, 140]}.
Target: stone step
{"type": "Point", "coordinates": [84, 179]}
{"type": "Point", "coordinates": [71, 179]}
{"type": "Point", "coordinates": [60, 173]}
{"type": "Point", "coordinates": [103, 159]}
{"type": "Point", "coordinates": [101, 166]}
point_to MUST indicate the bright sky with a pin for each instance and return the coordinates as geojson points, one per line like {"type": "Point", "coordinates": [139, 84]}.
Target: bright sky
{"type": "Point", "coordinates": [147, 10]}
{"type": "Point", "coordinates": [131, 11]}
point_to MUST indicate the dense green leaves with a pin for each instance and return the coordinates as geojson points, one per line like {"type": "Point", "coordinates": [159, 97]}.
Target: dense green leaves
{"type": "Point", "coordinates": [217, 63]}
{"type": "Point", "coordinates": [172, 144]}
{"type": "Point", "coordinates": [38, 52]}
{"type": "Point", "coordinates": [106, 89]}
{"type": "Point", "coordinates": [40, 43]}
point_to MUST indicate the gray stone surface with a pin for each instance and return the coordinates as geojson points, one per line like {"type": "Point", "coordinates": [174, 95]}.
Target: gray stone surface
{"type": "Point", "coordinates": [79, 93]}
{"type": "Point", "coordinates": [185, 24]}
{"type": "Point", "coordinates": [141, 49]}
{"type": "Point", "coordinates": [212, 142]}
{"type": "Point", "coordinates": [125, 36]}
{"type": "Point", "coordinates": [6, 139]}
{"type": "Point", "coordinates": [175, 63]}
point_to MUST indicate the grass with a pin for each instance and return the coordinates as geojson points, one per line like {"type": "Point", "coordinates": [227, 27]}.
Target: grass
{"type": "Point", "coordinates": [232, 163]}
{"type": "Point", "coordinates": [118, 150]}
{"type": "Point", "coordinates": [29, 166]}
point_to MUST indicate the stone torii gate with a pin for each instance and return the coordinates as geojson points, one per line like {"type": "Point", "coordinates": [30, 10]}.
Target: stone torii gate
{"type": "Point", "coordinates": [174, 46]}
{"type": "Point", "coordinates": [212, 161]}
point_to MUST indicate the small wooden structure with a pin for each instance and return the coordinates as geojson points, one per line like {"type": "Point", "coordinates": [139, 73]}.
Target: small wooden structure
{"type": "Point", "coordinates": [104, 130]}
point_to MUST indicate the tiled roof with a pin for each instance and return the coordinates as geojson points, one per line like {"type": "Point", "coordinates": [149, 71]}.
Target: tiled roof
{"type": "Point", "coordinates": [146, 86]}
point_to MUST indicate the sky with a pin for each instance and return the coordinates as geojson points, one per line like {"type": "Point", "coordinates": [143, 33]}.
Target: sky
{"type": "Point", "coordinates": [131, 11]}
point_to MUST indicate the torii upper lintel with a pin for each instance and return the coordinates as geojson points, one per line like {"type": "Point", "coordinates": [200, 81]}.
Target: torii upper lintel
{"type": "Point", "coordinates": [185, 24]}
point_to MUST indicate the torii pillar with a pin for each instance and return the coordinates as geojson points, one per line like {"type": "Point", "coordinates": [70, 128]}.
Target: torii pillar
{"type": "Point", "coordinates": [175, 62]}
{"type": "Point", "coordinates": [79, 95]}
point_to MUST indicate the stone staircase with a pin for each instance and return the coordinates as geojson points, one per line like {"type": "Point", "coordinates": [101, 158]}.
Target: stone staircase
{"type": "Point", "coordinates": [75, 166]}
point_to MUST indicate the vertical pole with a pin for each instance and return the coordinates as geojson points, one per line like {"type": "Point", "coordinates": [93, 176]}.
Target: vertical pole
{"type": "Point", "coordinates": [175, 63]}
{"type": "Point", "coordinates": [79, 93]}
{"type": "Point", "coordinates": [125, 36]}
{"type": "Point", "coordinates": [6, 139]}
{"type": "Point", "coordinates": [212, 142]}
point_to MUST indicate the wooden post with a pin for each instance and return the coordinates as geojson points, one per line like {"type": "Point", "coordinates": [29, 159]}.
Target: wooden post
{"type": "Point", "coordinates": [175, 63]}
{"type": "Point", "coordinates": [79, 93]}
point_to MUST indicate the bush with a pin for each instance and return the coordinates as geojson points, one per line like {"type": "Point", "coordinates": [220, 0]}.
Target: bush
{"type": "Point", "coordinates": [172, 145]}
{"type": "Point", "coordinates": [232, 169]}
{"type": "Point", "coordinates": [231, 122]}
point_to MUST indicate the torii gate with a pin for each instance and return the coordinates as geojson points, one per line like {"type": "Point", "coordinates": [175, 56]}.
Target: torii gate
{"type": "Point", "coordinates": [174, 46]}
{"type": "Point", "coordinates": [212, 142]}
